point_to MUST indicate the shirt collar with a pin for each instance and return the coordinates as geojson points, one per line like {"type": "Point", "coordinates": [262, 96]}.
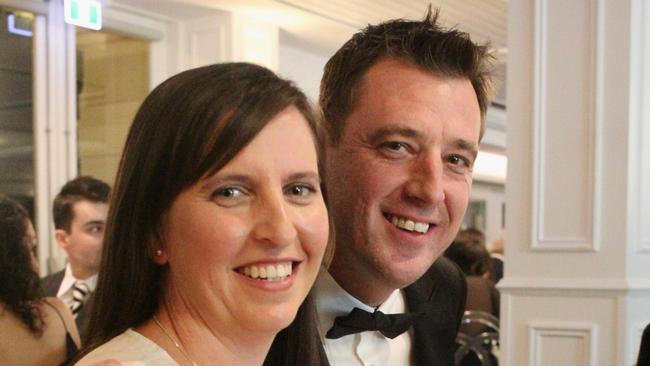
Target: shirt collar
{"type": "Point", "coordinates": [69, 280]}
{"type": "Point", "coordinates": [333, 301]}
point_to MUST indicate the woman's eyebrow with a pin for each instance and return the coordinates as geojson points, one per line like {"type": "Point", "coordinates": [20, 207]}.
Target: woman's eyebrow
{"type": "Point", "coordinates": [209, 183]}
{"type": "Point", "coordinates": [308, 174]}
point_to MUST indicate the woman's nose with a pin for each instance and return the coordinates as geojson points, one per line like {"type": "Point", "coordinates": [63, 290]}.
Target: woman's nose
{"type": "Point", "coordinates": [273, 223]}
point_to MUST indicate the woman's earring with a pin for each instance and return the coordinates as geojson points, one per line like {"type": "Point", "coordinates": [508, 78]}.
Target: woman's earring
{"type": "Point", "coordinates": [159, 257]}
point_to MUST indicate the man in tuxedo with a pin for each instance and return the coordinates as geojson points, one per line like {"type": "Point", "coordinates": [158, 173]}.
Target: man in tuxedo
{"type": "Point", "coordinates": [404, 105]}
{"type": "Point", "coordinates": [79, 212]}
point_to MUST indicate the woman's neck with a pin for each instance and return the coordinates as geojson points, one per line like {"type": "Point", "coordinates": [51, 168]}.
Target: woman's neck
{"type": "Point", "coordinates": [189, 338]}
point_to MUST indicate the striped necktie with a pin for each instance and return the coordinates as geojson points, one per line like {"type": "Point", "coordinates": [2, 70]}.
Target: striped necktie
{"type": "Point", "coordinates": [80, 292]}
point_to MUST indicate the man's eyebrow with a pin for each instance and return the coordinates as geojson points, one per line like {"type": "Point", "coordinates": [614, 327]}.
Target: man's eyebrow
{"type": "Point", "coordinates": [467, 145]}
{"type": "Point", "coordinates": [381, 133]}
{"type": "Point", "coordinates": [94, 222]}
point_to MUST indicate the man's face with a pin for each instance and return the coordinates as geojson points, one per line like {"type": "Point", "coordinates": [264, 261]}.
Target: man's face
{"type": "Point", "coordinates": [399, 180]}
{"type": "Point", "coordinates": [84, 241]}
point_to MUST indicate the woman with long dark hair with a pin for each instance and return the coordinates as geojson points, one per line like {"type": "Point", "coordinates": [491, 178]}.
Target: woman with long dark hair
{"type": "Point", "coordinates": [35, 330]}
{"type": "Point", "coordinates": [216, 228]}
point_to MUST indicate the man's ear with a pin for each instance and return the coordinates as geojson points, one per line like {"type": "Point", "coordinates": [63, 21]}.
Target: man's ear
{"type": "Point", "coordinates": [61, 237]}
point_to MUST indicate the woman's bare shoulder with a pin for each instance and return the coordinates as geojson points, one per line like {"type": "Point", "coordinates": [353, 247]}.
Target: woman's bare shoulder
{"type": "Point", "coordinates": [56, 303]}
{"type": "Point", "coordinates": [108, 363]}
{"type": "Point", "coordinates": [65, 314]}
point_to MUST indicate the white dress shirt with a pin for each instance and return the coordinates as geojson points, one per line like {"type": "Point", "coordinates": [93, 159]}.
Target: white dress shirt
{"type": "Point", "coordinates": [370, 348]}
{"type": "Point", "coordinates": [65, 289]}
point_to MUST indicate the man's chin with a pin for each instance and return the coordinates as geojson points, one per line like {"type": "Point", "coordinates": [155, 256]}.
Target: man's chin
{"type": "Point", "coordinates": [404, 275]}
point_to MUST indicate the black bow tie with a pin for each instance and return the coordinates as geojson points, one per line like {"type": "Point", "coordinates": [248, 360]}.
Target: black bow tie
{"type": "Point", "coordinates": [390, 325]}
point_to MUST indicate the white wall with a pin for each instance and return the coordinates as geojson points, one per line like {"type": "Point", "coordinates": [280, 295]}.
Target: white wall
{"type": "Point", "coordinates": [575, 292]}
{"type": "Point", "coordinates": [302, 66]}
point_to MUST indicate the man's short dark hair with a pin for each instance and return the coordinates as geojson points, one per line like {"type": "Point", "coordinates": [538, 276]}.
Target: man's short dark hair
{"type": "Point", "coordinates": [425, 44]}
{"type": "Point", "coordinates": [83, 188]}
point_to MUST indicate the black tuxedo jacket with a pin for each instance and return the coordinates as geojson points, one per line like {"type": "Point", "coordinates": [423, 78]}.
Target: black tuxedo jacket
{"type": "Point", "coordinates": [441, 294]}
{"type": "Point", "coordinates": [50, 286]}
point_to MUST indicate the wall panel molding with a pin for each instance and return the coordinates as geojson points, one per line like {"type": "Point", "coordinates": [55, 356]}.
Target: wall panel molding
{"type": "Point", "coordinates": [506, 321]}
{"type": "Point", "coordinates": [255, 41]}
{"type": "Point", "coordinates": [639, 132]}
{"type": "Point", "coordinates": [574, 287]}
{"type": "Point", "coordinates": [207, 40]}
{"type": "Point", "coordinates": [543, 334]}
{"type": "Point", "coordinates": [567, 112]}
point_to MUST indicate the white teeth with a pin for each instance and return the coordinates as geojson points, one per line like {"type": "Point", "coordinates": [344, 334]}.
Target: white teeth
{"type": "Point", "coordinates": [409, 225]}
{"type": "Point", "coordinates": [283, 270]}
{"type": "Point", "coordinates": [271, 272]}
{"type": "Point", "coordinates": [421, 227]}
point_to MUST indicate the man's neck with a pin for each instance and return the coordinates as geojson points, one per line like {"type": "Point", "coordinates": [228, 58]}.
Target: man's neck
{"type": "Point", "coordinates": [362, 285]}
{"type": "Point", "coordinates": [81, 273]}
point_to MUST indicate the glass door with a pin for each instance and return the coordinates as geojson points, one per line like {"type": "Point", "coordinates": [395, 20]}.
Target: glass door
{"type": "Point", "coordinates": [67, 99]}
{"type": "Point", "coordinates": [112, 82]}
{"type": "Point", "coordinates": [17, 178]}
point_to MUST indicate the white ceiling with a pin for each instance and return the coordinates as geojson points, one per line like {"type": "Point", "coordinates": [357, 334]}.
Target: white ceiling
{"type": "Point", "coordinates": [325, 25]}
{"type": "Point", "coordinates": [484, 19]}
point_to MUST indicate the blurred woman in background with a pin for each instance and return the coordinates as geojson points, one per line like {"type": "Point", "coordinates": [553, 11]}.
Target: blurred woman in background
{"type": "Point", "coordinates": [35, 330]}
{"type": "Point", "coordinates": [474, 260]}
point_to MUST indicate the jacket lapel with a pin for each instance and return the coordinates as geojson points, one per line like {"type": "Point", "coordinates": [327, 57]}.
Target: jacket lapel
{"type": "Point", "coordinates": [418, 297]}
{"type": "Point", "coordinates": [440, 293]}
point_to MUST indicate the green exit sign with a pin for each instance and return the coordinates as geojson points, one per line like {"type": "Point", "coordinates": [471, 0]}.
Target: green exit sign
{"type": "Point", "coordinates": [83, 13]}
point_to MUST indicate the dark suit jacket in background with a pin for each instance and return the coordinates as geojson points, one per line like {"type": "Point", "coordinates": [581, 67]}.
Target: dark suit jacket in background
{"type": "Point", "coordinates": [50, 286]}
{"type": "Point", "coordinates": [644, 348]}
{"type": "Point", "coordinates": [496, 269]}
{"type": "Point", "coordinates": [441, 293]}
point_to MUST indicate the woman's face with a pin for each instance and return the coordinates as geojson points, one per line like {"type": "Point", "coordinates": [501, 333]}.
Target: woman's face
{"type": "Point", "coordinates": [244, 245]}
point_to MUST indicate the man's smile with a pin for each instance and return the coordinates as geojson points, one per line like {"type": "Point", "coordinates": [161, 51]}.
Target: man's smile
{"type": "Point", "coordinates": [408, 224]}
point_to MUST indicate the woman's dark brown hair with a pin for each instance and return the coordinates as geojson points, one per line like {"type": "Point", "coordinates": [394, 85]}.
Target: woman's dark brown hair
{"type": "Point", "coordinates": [19, 284]}
{"type": "Point", "coordinates": [188, 128]}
